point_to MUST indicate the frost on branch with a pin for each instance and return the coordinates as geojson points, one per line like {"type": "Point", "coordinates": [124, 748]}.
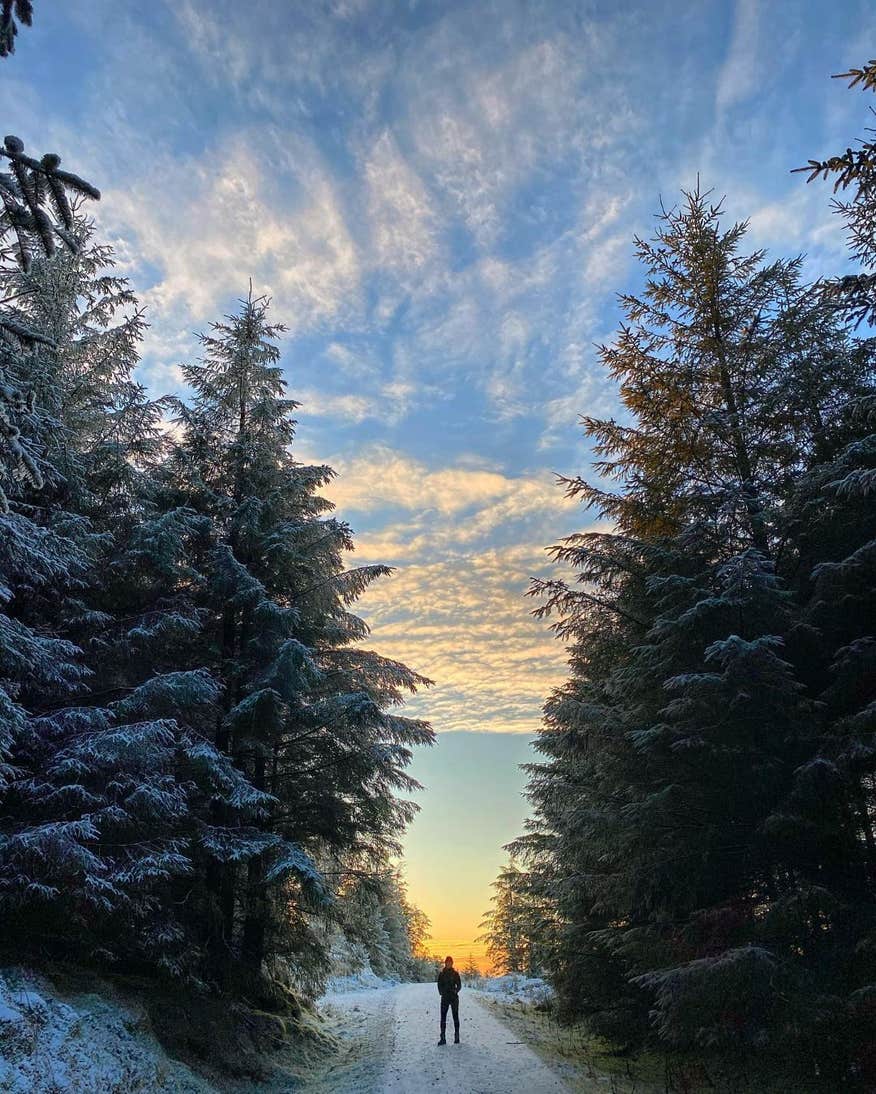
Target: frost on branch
{"type": "Point", "coordinates": [29, 190]}
{"type": "Point", "coordinates": [718, 1000]}
{"type": "Point", "coordinates": [12, 10]}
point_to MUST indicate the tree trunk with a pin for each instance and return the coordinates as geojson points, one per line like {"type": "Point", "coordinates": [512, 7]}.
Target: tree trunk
{"type": "Point", "coordinates": [222, 877]}
{"type": "Point", "coordinates": [255, 924]}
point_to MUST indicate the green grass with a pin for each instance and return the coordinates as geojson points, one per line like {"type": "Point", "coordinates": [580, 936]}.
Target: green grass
{"type": "Point", "coordinates": [589, 1063]}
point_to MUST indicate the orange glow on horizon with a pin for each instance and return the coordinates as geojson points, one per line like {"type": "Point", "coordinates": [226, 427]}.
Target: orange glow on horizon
{"type": "Point", "coordinates": [460, 949]}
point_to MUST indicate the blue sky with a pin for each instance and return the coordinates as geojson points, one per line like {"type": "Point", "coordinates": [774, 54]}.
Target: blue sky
{"type": "Point", "coordinates": [441, 199]}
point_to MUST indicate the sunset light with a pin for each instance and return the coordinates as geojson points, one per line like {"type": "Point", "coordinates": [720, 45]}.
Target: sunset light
{"type": "Point", "coordinates": [438, 546]}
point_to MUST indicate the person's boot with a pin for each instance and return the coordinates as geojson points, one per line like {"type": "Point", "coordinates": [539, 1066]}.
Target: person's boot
{"type": "Point", "coordinates": [443, 1040]}
{"type": "Point", "coordinates": [456, 1038]}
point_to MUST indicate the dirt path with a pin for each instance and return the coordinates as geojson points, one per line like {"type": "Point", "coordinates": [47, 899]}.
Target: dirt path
{"type": "Point", "coordinates": [391, 1047]}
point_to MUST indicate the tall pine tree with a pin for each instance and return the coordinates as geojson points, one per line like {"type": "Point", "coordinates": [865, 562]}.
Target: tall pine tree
{"type": "Point", "coordinates": [690, 732]}
{"type": "Point", "coordinates": [306, 714]}
{"type": "Point", "coordinates": [94, 813]}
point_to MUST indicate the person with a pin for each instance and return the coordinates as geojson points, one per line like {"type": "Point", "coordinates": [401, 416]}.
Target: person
{"type": "Point", "coordinates": [449, 985]}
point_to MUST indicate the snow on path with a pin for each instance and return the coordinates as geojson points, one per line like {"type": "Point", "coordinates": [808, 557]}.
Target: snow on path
{"type": "Point", "coordinates": [394, 1048]}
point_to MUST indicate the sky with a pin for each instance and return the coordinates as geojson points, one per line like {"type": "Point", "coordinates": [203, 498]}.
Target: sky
{"type": "Point", "coordinates": [440, 196]}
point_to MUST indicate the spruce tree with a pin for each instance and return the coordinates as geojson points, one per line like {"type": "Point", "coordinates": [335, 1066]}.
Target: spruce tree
{"type": "Point", "coordinates": [373, 912]}
{"type": "Point", "coordinates": [853, 172]}
{"type": "Point", "coordinates": [690, 732]}
{"type": "Point", "coordinates": [306, 714]}
{"type": "Point", "coordinates": [470, 970]}
{"type": "Point", "coordinates": [94, 815]}
{"type": "Point", "coordinates": [517, 926]}
{"type": "Point", "coordinates": [30, 192]}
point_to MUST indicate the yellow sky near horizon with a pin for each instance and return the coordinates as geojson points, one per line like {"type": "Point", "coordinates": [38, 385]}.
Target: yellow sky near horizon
{"type": "Point", "coordinates": [460, 949]}
{"type": "Point", "coordinates": [472, 804]}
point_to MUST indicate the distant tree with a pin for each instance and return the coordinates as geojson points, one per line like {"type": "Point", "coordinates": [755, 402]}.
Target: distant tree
{"type": "Point", "coordinates": [517, 924]}
{"type": "Point", "coordinates": [417, 926]}
{"type": "Point", "coordinates": [470, 970]}
{"type": "Point", "coordinates": [375, 911]}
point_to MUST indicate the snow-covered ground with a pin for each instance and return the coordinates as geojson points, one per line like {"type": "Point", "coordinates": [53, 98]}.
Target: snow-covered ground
{"type": "Point", "coordinates": [362, 980]}
{"type": "Point", "coordinates": [391, 1047]}
{"type": "Point", "coordinates": [62, 1042]}
{"type": "Point", "coordinates": [52, 1043]}
{"type": "Point", "coordinates": [514, 989]}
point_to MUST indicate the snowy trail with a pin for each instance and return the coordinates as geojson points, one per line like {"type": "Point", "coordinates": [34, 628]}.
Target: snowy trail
{"type": "Point", "coordinates": [392, 1048]}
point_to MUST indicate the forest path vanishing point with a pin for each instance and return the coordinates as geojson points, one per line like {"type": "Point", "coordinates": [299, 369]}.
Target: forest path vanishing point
{"type": "Point", "coordinates": [391, 1038]}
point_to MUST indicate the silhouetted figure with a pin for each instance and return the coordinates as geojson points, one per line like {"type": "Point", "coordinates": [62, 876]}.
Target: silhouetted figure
{"type": "Point", "coordinates": [449, 986]}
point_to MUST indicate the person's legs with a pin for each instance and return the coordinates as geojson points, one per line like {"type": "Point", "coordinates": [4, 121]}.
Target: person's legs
{"type": "Point", "coordinates": [445, 1003]}
{"type": "Point", "coordinates": [454, 1003]}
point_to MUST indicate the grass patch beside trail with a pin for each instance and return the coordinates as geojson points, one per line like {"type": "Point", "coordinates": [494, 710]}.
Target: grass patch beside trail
{"type": "Point", "coordinates": [586, 1063]}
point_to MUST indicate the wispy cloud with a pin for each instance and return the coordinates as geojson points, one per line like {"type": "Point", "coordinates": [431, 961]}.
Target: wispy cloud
{"type": "Point", "coordinates": [401, 220]}
{"type": "Point", "coordinates": [465, 539]}
{"type": "Point", "coordinates": [228, 221]}
{"type": "Point", "coordinates": [467, 619]}
{"type": "Point", "coordinates": [440, 197]}
{"type": "Point", "coordinates": [738, 76]}
{"type": "Point", "coordinates": [381, 478]}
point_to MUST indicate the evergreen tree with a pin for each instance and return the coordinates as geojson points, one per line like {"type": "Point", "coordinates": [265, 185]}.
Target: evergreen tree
{"type": "Point", "coordinates": [418, 926]}
{"type": "Point", "coordinates": [26, 226]}
{"type": "Point", "coordinates": [375, 915]}
{"type": "Point", "coordinates": [97, 427]}
{"type": "Point", "coordinates": [687, 753]}
{"type": "Point", "coordinates": [516, 927]}
{"type": "Point", "coordinates": [305, 713]}
{"type": "Point", "coordinates": [854, 172]}
{"type": "Point", "coordinates": [470, 970]}
{"type": "Point", "coordinates": [94, 815]}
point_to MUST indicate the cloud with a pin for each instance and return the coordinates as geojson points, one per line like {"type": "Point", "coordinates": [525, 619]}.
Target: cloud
{"type": "Point", "coordinates": [225, 223]}
{"type": "Point", "coordinates": [464, 621]}
{"type": "Point", "coordinates": [801, 221]}
{"type": "Point", "coordinates": [401, 220]}
{"type": "Point", "coordinates": [741, 72]}
{"type": "Point", "coordinates": [207, 32]}
{"type": "Point", "coordinates": [356, 362]}
{"type": "Point", "coordinates": [466, 541]}
{"type": "Point", "coordinates": [382, 478]}
{"type": "Point", "coordinates": [562, 415]}
{"type": "Point", "coordinates": [384, 402]}
{"type": "Point", "coordinates": [499, 120]}
{"type": "Point", "coordinates": [352, 408]}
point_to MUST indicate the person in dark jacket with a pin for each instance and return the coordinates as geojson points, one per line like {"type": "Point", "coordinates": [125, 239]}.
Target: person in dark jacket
{"type": "Point", "coordinates": [449, 985]}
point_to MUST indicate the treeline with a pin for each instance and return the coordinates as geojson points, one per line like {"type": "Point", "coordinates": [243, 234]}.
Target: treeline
{"type": "Point", "coordinates": [703, 838]}
{"type": "Point", "coordinates": [379, 928]}
{"type": "Point", "coordinates": [514, 927]}
{"type": "Point", "coordinates": [199, 760]}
